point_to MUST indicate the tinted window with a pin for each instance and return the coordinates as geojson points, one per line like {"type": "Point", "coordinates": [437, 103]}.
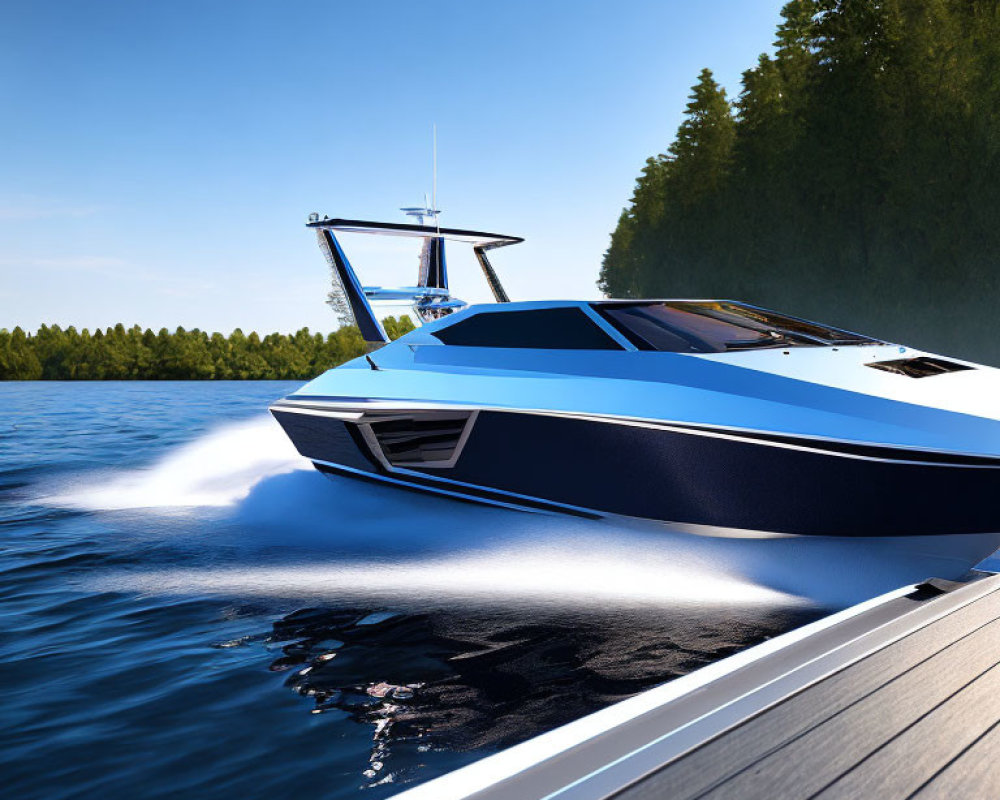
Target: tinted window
{"type": "Point", "coordinates": [717, 327]}
{"type": "Point", "coordinates": [548, 329]}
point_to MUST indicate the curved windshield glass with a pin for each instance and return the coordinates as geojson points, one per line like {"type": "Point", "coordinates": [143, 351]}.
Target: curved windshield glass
{"type": "Point", "coordinates": [681, 326]}
{"type": "Point", "coordinates": [564, 328]}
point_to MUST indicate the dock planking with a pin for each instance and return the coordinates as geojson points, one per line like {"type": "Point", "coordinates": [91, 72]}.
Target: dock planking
{"type": "Point", "coordinates": [884, 726]}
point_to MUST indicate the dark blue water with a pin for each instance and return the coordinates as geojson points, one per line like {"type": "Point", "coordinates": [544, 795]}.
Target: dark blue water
{"type": "Point", "coordinates": [187, 611]}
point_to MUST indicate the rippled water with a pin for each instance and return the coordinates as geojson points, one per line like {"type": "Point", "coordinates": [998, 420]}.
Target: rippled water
{"type": "Point", "coordinates": [188, 609]}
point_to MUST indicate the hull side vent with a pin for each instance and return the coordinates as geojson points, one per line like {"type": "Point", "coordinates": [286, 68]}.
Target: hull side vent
{"type": "Point", "coordinates": [431, 440]}
{"type": "Point", "coordinates": [920, 367]}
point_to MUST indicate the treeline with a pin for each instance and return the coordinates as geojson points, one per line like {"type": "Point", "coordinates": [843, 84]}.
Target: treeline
{"type": "Point", "coordinates": [119, 353]}
{"type": "Point", "coordinates": [855, 179]}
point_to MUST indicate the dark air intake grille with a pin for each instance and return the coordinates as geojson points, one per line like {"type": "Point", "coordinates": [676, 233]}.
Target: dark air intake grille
{"type": "Point", "coordinates": [920, 367]}
{"type": "Point", "coordinates": [414, 441]}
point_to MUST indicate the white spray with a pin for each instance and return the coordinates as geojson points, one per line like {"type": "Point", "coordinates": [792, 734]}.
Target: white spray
{"type": "Point", "coordinates": [218, 469]}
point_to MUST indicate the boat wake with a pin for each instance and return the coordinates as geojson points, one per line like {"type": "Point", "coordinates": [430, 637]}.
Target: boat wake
{"type": "Point", "coordinates": [216, 470]}
{"type": "Point", "coordinates": [294, 533]}
{"type": "Point", "coordinates": [537, 577]}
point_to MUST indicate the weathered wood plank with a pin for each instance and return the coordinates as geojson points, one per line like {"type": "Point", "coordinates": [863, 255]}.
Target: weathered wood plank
{"type": "Point", "coordinates": [835, 746]}
{"type": "Point", "coordinates": [975, 773]}
{"type": "Point", "coordinates": [904, 763]}
{"type": "Point", "coordinates": [775, 752]}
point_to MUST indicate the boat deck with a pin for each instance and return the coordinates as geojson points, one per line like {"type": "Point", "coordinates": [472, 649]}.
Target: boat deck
{"type": "Point", "coordinates": [897, 697]}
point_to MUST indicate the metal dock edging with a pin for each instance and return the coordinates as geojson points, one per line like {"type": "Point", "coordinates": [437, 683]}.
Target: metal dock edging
{"type": "Point", "coordinates": [605, 752]}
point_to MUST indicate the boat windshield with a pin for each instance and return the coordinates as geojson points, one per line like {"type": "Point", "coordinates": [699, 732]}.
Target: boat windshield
{"type": "Point", "coordinates": [717, 327]}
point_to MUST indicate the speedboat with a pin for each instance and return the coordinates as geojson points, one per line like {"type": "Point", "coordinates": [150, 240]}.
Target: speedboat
{"type": "Point", "coordinates": [712, 417]}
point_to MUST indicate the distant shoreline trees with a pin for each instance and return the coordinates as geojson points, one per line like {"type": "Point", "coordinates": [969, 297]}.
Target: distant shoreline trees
{"type": "Point", "coordinates": [120, 353]}
{"type": "Point", "coordinates": [855, 179]}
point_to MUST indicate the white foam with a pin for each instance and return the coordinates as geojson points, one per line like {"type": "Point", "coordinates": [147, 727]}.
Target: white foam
{"type": "Point", "coordinates": [649, 575]}
{"type": "Point", "coordinates": [466, 553]}
{"type": "Point", "coordinates": [218, 469]}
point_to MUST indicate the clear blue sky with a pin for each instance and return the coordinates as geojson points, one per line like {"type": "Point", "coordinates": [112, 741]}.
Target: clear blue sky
{"type": "Point", "coordinates": [159, 159]}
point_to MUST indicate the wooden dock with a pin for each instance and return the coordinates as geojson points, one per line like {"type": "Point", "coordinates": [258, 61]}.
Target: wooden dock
{"type": "Point", "coordinates": [898, 697]}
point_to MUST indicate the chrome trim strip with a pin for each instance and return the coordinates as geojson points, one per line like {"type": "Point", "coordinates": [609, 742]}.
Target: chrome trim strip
{"type": "Point", "coordinates": [318, 412]}
{"type": "Point", "coordinates": [374, 447]}
{"type": "Point", "coordinates": [518, 502]}
{"type": "Point", "coordinates": [782, 445]}
{"type": "Point", "coordinates": [715, 431]}
{"type": "Point", "coordinates": [431, 489]}
{"type": "Point", "coordinates": [554, 505]}
{"type": "Point", "coordinates": [547, 506]}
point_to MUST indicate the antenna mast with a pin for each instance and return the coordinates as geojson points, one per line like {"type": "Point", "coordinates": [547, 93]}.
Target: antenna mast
{"type": "Point", "coordinates": [421, 214]}
{"type": "Point", "coordinates": [434, 195]}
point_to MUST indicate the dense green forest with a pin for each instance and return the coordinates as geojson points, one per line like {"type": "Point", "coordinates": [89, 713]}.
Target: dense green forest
{"type": "Point", "coordinates": [855, 179]}
{"type": "Point", "coordinates": [120, 353]}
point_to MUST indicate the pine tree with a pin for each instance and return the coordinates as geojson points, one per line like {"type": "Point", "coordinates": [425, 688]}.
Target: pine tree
{"type": "Point", "coordinates": [862, 186]}
{"type": "Point", "coordinates": [703, 148]}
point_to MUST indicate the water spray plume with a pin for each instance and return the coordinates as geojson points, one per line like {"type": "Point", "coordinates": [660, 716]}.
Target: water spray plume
{"type": "Point", "coordinates": [218, 469]}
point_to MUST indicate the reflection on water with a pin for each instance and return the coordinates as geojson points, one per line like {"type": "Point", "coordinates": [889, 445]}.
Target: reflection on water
{"type": "Point", "coordinates": [457, 681]}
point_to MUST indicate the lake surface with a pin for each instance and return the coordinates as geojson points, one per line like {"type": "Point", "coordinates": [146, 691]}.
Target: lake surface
{"type": "Point", "coordinates": [188, 609]}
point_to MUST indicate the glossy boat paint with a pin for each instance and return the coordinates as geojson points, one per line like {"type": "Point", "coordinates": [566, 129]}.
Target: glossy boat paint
{"type": "Point", "coordinates": [803, 441]}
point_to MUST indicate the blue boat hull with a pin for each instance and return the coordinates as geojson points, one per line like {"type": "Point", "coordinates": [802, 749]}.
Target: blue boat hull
{"type": "Point", "coordinates": [743, 484]}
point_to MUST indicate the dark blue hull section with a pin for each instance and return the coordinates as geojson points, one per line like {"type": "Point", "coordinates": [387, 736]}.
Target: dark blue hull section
{"type": "Point", "coordinates": [694, 477]}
